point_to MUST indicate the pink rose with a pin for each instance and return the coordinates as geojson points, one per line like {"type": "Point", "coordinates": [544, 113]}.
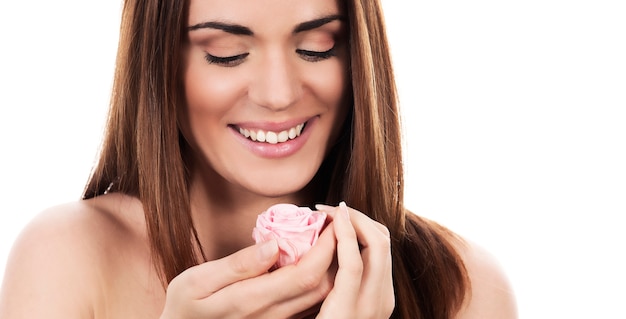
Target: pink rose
{"type": "Point", "coordinates": [295, 228]}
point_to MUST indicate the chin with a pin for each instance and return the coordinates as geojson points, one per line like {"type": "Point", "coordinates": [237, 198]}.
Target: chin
{"type": "Point", "coordinates": [278, 189]}
{"type": "Point", "coordinates": [277, 185]}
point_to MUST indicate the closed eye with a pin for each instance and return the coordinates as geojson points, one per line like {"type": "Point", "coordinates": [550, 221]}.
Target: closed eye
{"type": "Point", "coordinates": [228, 61]}
{"type": "Point", "coordinates": [315, 56]}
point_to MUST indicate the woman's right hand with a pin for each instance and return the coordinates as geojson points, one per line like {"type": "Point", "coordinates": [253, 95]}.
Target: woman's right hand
{"type": "Point", "coordinates": [240, 286]}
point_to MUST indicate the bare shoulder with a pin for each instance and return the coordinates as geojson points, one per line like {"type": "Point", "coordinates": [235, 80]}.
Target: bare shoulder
{"type": "Point", "coordinates": [55, 266]}
{"type": "Point", "coordinates": [491, 292]}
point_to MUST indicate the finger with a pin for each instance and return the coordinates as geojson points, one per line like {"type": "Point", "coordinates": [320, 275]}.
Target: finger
{"type": "Point", "coordinates": [377, 286]}
{"type": "Point", "coordinates": [382, 228]}
{"type": "Point", "coordinates": [377, 297]}
{"type": "Point", "coordinates": [203, 280]}
{"type": "Point", "coordinates": [362, 223]}
{"type": "Point", "coordinates": [312, 276]}
{"type": "Point", "coordinates": [345, 293]}
{"type": "Point", "coordinates": [377, 282]}
{"type": "Point", "coordinates": [282, 293]}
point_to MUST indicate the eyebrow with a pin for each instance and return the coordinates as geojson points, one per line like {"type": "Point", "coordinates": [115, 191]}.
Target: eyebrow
{"type": "Point", "coordinates": [314, 24]}
{"type": "Point", "coordinates": [226, 27]}
{"type": "Point", "coordinates": [241, 30]}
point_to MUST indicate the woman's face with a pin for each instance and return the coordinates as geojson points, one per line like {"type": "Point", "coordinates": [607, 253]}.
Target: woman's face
{"type": "Point", "coordinates": [266, 85]}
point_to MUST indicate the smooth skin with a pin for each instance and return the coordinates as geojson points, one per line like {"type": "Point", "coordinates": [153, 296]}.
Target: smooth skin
{"type": "Point", "coordinates": [91, 259]}
{"type": "Point", "coordinates": [273, 76]}
{"type": "Point", "coordinates": [94, 252]}
{"type": "Point", "coordinates": [362, 279]}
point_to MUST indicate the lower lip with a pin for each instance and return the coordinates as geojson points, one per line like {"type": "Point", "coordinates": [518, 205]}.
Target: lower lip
{"type": "Point", "coordinates": [277, 150]}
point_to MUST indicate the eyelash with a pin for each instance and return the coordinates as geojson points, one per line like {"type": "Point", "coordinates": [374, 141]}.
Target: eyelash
{"type": "Point", "coordinates": [235, 60]}
{"type": "Point", "coordinates": [316, 56]}
{"type": "Point", "coordinates": [228, 61]}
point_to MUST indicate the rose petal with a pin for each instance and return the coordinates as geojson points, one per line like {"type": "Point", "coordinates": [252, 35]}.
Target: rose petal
{"type": "Point", "coordinates": [296, 228]}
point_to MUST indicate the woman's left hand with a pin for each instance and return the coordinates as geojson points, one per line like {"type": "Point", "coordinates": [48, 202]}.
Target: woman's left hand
{"type": "Point", "coordinates": [363, 286]}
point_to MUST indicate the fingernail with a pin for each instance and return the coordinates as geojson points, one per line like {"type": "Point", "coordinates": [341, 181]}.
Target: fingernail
{"type": "Point", "coordinates": [344, 207]}
{"type": "Point", "coordinates": [268, 249]}
{"type": "Point", "coordinates": [323, 207]}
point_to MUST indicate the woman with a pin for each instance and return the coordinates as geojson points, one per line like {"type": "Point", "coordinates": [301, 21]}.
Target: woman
{"type": "Point", "coordinates": [195, 148]}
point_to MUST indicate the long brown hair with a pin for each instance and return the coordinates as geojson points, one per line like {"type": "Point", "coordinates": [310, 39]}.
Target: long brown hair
{"type": "Point", "coordinates": [144, 154]}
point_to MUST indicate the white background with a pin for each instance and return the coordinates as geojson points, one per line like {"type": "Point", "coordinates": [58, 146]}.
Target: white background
{"type": "Point", "coordinates": [514, 116]}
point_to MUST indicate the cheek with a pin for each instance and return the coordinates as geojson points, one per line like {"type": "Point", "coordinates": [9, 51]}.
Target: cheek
{"type": "Point", "coordinates": [210, 96]}
{"type": "Point", "coordinates": [210, 92]}
{"type": "Point", "coordinates": [330, 84]}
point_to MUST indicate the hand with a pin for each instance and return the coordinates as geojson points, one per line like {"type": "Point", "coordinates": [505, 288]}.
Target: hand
{"type": "Point", "coordinates": [363, 286]}
{"type": "Point", "coordinates": [240, 286]}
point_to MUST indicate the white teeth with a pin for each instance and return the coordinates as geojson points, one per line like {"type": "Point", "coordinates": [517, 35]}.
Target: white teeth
{"type": "Point", "coordinates": [283, 136]}
{"type": "Point", "coordinates": [272, 137]}
{"type": "Point", "coordinates": [244, 132]}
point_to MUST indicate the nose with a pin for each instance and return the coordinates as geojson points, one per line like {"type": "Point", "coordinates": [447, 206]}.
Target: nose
{"type": "Point", "coordinates": [276, 84]}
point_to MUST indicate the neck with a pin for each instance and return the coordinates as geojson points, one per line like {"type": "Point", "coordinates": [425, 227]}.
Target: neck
{"type": "Point", "coordinates": [224, 214]}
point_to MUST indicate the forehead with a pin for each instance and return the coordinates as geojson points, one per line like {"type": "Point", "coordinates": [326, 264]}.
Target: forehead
{"type": "Point", "coordinates": [270, 15]}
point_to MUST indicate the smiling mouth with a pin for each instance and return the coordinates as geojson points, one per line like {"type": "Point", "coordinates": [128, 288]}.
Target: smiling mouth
{"type": "Point", "coordinates": [271, 137]}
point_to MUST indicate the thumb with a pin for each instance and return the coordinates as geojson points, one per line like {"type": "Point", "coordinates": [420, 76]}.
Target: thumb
{"type": "Point", "coordinates": [207, 278]}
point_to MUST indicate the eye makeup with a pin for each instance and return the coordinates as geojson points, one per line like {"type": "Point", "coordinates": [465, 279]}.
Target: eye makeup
{"type": "Point", "coordinates": [313, 41]}
{"type": "Point", "coordinates": [316, 56]}
{"type": "Point", "coordinates": [228, 61]}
